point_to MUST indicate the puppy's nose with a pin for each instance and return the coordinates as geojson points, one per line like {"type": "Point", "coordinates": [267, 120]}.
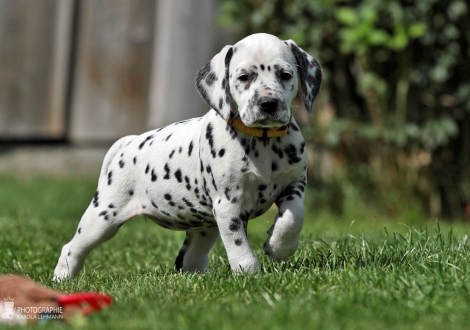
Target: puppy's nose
{"type": "Point", "coordinates": [267, 104]}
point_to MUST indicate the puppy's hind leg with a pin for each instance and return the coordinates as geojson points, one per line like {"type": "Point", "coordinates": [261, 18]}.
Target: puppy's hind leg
{"type": "Point", "coordinates": [94, 228]}
{"type": "Point", "coordinates": [99, 223]}
{"type": "Point", "coordinates": [193, 256]}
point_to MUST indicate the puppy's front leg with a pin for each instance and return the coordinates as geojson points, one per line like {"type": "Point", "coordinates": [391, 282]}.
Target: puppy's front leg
{"type": "Point", "coordinates": [232, 228]}
{"type": "Point", "coordinates": [284, 234]}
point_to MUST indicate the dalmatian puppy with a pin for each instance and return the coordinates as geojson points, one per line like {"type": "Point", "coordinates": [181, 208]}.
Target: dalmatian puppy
{"type": "Point", "coordinates": [210, 175]}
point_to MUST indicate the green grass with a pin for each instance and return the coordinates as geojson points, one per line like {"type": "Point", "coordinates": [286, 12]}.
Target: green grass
{"type": "Point", "coordinates": [361, 271]}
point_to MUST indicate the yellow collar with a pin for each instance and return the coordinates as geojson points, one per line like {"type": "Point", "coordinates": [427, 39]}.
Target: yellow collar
{"type": "Point", "coordinates": [236, 122]}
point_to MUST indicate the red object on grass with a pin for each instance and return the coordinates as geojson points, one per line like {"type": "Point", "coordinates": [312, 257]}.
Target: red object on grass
{"type": "Point", "coordinates": [87, 301]}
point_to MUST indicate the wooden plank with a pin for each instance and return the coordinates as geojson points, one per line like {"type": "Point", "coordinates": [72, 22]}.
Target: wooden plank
{"type": "Point", "coordinates": [186, 38]}
{"type": "Point", "coordinates": [34, 39]}
{"type": "Point", "coordinates": [112, 71]}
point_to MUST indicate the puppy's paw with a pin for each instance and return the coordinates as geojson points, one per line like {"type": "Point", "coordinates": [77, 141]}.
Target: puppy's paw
{"type": "Point", "coordinates": [60, 274]}
{"type": "Point", "coordinates": [247, 267]}
{"type": "Point", "coordinates": [280, 250]}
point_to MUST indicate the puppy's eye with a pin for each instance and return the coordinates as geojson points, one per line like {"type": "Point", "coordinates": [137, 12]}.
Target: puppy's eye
{"type": "Point", "coordinates": [286, 75]}
{"type": "Point", "coordinates": [243, 77]}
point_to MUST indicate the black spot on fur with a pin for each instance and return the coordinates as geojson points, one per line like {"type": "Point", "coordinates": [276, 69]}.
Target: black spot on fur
{"type": "Point", "coordinates": [227, 193]}
{"type": "Point", "coordinates": [221, 152]}
{"type": "Point", "coordinates": [262, 67]}
{"type": "Point", "coordinates": [291, 152]}
{"type": "Point", "coordinates": [168, 197]}
{"type": "Point", "coordinates": [290, 193]}
{"type": "Point", "coordinates": [213, 183]}
{"type": "Point", "coordinates": [147, 169]}
{"type": "Point", "coordinates": [188, 184]}
{"type": "Point", "coordinates": [143, 143]}
{"type": "Point", "coordinates": [168, 137]}
{"type": "Point", "coordinates": [262, 187]}
{"type": "Point", "coordinates": [95, 199]}
{"type": "Point", "coordinates": [210, 78]}
{"type": "Point", "coordinates": [110, 176]}
{"type": "Point", "coordinates": [238, 242]}
{"type": "Point", "coordinates": [121, 163]}
{"type": "Point", "coordinates": [278, 151]}
{"type": "Point", "coordinates": [190, 149]}
{"type": "Point", "coordinates": [210, 138]}
{"type": "Point", "coordinates": [79, 230]}
{"type": "Point", "coordinates": [202, 74]}
{"type": "Point", "coordinates": [274, 166]}
{"type": "Point", "coordinates": [188, 203]}
{"type": "Point", "coordinates": [167, 172]}
{"type": "Point", "coordinates": [244, 216]}
{"type": "Point", "coordinates": [154, 176]}
{"type": "Point", "coordinates": [178, 176]}
{"type": "Point", "coordinates": [235, 224]}
{"type": "Point", "coordinates": [134, 160]}
{"type": "Point", "coordinates": [172, 153]}
{"type": "Point", "coordinates": [131, 192]}
{"type": "Point", "coordinates": [111, 206]}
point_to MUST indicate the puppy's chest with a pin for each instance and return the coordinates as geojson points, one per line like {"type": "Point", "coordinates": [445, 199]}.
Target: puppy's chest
{"type": "Point", "coordinates": [256, 171]}
{"type": "Point", "coordinates": [259, 160]}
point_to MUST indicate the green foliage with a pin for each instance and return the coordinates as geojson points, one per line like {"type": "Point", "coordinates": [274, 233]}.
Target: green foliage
{"type": "Point", "coordinates": [349, 273]}
{"type": "Point", "coordinates": [396, 80]}
{"type": "Point", "coordinates": [362, 28]}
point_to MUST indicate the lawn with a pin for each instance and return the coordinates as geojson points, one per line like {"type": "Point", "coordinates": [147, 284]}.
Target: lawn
{"type": "Point", "coordinates": [361, 271]}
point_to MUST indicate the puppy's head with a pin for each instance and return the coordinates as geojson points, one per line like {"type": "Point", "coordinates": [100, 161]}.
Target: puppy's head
{"type": "Point", "coordinates": [258, 78]}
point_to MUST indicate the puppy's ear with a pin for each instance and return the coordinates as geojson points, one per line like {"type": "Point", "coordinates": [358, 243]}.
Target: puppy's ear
{"type": "Point", "coordinates": [310, 74]}
{"type": "Point", "coordinates": [212, 82]}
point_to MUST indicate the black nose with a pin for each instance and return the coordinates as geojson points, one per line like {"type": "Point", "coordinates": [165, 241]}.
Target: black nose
{"type": "Point", "coordinates": [267, 104]}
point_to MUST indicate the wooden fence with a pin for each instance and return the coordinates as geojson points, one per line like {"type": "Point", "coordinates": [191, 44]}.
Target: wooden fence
{"type": "Point", "coordinates": [95, 70]}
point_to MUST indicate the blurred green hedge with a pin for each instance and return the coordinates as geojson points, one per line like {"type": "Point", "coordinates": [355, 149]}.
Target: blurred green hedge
{"type": "Point", "coordinates": [394, 112]}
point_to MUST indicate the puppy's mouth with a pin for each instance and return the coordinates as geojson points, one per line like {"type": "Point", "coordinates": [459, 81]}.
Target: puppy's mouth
{"type": "Point", "coordinates": [264, 119]}
{"type": "Point", "coordinates": [268, 123]}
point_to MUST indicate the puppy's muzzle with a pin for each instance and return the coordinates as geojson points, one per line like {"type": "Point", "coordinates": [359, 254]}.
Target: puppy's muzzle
{"type": "Point", "coordinates": [268, 104]}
